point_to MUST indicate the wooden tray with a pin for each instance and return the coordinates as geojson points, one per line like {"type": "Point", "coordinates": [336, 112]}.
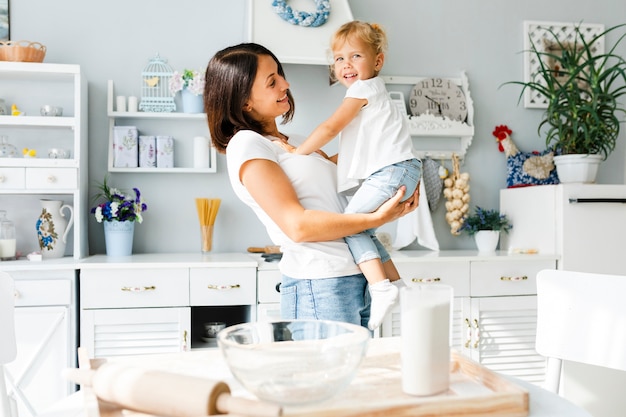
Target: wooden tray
{"type": "Point", "coordinates": [376, 391]}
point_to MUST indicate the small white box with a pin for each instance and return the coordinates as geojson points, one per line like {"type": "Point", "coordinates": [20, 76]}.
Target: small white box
{"type": "Point", "coordinates": [165, 151]}
{"type": "Point", "coordinates": [147, 151]}
{"type": "Point", "coordinates": [125, 149]}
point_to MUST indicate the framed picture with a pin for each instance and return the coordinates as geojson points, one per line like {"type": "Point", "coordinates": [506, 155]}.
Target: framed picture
{"type": "Point", "coordinates": [4, 20]}
{"type": "Point", "coordinates": [537, 34]}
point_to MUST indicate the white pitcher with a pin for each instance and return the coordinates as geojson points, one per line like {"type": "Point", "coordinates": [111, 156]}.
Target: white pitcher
{"type": "Point", "coordinates": [53, 227]}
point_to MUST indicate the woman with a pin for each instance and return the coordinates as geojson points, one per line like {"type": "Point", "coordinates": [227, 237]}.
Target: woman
{"type": "Point", "coordinates": [294, 196]}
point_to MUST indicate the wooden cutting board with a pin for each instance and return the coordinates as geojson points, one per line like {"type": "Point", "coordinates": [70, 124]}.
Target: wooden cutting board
{"type": "Point", "coordinates": [376, 391]}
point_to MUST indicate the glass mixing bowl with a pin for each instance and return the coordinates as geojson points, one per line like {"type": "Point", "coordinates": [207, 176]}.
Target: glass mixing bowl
{"type": "Point", "coordinates": [294, 362]}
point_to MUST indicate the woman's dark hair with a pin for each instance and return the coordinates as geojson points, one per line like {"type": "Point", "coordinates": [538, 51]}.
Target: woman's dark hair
{"type": "Point", "coordinates": [229, 77]}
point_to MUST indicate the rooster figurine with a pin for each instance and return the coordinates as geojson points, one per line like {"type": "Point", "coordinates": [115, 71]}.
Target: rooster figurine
{"type": "Point", "coordinates": [525, 168]}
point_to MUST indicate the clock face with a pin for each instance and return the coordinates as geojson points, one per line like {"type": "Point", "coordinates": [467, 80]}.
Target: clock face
{"type": "Point", "coordinates": [440, 97]}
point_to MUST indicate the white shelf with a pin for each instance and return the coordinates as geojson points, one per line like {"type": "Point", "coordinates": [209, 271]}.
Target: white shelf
{"type": "Point", "coordinates": [293, 44]}
{"type": "Point", "coordinates": [435, 136]}
{"type": "Point", "coordinates": [139, 118]}
{"type": "Point", "coordinates": [40, 121]}
{"type": "Point", "coordinates": [156, 115]}
{"type": "Point", "coordinates": [24, 180]}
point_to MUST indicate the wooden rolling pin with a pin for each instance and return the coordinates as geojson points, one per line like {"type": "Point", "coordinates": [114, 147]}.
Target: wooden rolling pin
{"type": "Point", "coordinates": [265, 249]}
{"type": "Point", "coordinates": [166, 394]}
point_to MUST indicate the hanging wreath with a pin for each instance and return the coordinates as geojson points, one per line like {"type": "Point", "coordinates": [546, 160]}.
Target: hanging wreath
{"type": "Point", "coordinates": [296, 17]}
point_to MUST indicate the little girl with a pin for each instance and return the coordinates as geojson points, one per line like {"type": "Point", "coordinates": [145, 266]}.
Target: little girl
{"type": "Point", "coordinates": [376, 155]}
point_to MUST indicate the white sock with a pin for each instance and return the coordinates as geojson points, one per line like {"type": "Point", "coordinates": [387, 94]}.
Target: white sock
{"type": "Point", "coordinates": [399, 283]}
{"type": "Point", "coordinates": [384, 295]}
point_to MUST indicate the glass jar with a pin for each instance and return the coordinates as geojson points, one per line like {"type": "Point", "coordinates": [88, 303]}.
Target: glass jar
{"type": "Point", "coordinates": [6, 149]}
{"type": "Point", "coordinates": [3, 108]}
{"type": "Point", "coordinates": [7, 237]}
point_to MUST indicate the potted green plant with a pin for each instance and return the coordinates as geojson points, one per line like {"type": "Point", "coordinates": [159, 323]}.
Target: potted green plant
{"type": "Point", "coordinates": [583, 92]}
{"type": "Point", "coordinates": [485, 225]}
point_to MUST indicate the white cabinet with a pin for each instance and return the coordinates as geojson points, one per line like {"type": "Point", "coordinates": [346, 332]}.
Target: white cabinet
{"type": "Point", "coordinates": [268, 283]}
{"type": "Point", "coordinates": [582, 224]}
{"type": "Point", "coordinates": [158, 303]}
{"type": "Point", "coordinates": [494, 312]}
{"type": "Point", "coordinates": [183, 127]}
{"type": "Point", "coordinates": [45, 326]}
{"type": "Point", "coordinates": [23, 180]}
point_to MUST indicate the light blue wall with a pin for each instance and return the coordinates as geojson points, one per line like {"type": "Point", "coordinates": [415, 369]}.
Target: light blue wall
{"type": "Point", "coordinates": [115, 39]}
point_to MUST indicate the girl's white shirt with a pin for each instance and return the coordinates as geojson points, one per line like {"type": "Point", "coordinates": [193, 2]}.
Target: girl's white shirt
{"type": "Point", "coordinates": [379, 136]}
{"type": "Point", "coordinates": [314, 179]}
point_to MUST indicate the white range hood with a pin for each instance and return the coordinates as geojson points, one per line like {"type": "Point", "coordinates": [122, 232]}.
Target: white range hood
{"type": "Point", "coordinates": [290, 43]}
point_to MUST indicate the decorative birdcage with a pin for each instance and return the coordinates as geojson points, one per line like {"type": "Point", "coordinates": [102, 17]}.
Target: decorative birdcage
{"type": "Point", "coordinates": [155, 92]}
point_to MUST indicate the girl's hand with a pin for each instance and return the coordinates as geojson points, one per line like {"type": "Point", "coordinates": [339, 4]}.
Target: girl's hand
{"type": "Point", "coordinates": [292, 149]}
{"type": "Point", "coordinates": [286, 146]}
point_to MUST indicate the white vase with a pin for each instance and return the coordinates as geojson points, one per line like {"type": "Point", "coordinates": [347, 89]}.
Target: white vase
{"type": "Point", "coordinates": [53, 227]}
{"type": "Point", "coordinates": [487, 240]}
{"type": "Point", "coordinates": [118, 238]}
{"type": "Point", "coordinates": [577, 168]}
{"type": "Point", "coordinates": [192, 103]}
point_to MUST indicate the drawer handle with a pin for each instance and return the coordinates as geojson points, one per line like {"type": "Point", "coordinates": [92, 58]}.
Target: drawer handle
{"type": "Point", "coordinates": [2, 178]}
{"type": "Point", "coordinates": [223, 287]}
{"type": "Point", "coordinates": [51, 179]}
{"type": "Point", "coordinates": [16, 294]}
{"type": "Point", "coordinates": [477, 327]}
{"type": "Point", "coordinates": [522, 278]}
{"type": "Point", "coordinates": [426, 280]}
{"type": "Point", "coordinates": [139, 289]}
{"type": "Point", "coordinates": [468, 333]}
{"type": "Point", "coordinates": [277, 287]}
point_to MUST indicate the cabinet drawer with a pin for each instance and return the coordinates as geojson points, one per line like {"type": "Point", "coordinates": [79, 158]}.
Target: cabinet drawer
{"type": "Point", "coordinates": [507, 278]}
{"type": "Point", "coordinates": [51, 178]}
{"type": "Point", "coordinates": [12, 178]}
{"type": "Point", "coordinates": [43, 292]}
{"type": "Point", "coordinates": [269, 286]}
{"type": "Point", "coordinates": [455, 274]}
{"type": "Point", "coordinates": [123, 288]}
{"type": "Point", "coordinates": [222, 286]}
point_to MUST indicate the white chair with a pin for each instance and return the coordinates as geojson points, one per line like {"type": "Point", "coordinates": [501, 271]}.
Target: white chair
{"type": "Point", "coordinates": [581, 317]}
{"type": "Point", "coordinates": [8, 346]}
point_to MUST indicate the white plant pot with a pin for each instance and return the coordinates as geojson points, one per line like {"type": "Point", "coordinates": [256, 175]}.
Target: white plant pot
{"type": "Point", "coordinates": [487, 240]}
{"type": "Point", "coordinates": [576, 168]}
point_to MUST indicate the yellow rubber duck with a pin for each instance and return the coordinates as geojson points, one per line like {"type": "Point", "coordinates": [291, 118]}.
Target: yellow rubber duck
{"type": "Point", "coordinates": [15, 111]}
{"type": "Point", "coordinates": [29, 153]}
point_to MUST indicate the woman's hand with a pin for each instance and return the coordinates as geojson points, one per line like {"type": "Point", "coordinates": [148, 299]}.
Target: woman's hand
{"type": "Point", "coordinates": [393, 209]}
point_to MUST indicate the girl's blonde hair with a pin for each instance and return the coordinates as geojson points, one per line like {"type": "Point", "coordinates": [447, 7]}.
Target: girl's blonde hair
{"type": "Point", "coordinates": [370, 33]}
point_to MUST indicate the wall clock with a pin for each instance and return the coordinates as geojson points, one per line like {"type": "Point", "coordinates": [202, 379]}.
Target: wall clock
{"type": "Point", "coordinates": [441, 97]}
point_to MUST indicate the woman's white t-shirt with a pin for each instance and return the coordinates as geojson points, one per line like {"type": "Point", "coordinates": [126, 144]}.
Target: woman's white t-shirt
{"type": "Point", "coordinates": [314, 180]}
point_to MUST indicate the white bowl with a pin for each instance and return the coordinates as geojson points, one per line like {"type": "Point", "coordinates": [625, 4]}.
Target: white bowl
{"type": "Point", "coordinates": [48, 110]}
{"type": "Point", "coordinates": [294, 362]}
{"type": "Point", "coordinates": [58, 153]}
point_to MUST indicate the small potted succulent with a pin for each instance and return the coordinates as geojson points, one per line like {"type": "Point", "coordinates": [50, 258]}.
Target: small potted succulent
{"type": "Point", "coordinates": [486, 225]}
{"type": "Point", "coordinates": [584, 92]}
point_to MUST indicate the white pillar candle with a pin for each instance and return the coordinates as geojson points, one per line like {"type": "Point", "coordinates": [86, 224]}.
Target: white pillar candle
{"type": "Point", "coordinates": [132, 104]}
{"type": "Point", "coordinates": [425, 337]}
{"type": "Point", "coordinates": [121, 103]}
{"type": "Point", "coordinates": [200, 152]}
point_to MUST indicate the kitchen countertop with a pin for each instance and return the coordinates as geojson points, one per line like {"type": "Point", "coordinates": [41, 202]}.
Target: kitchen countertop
{"type": "Point", "coordinates": [169, 260]}
{"type": "Point", "coordinates": [241, 259]}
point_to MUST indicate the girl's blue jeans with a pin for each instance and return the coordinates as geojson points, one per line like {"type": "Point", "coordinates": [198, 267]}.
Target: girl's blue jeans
{"type": "Point", "coordinates": [375, 190]}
